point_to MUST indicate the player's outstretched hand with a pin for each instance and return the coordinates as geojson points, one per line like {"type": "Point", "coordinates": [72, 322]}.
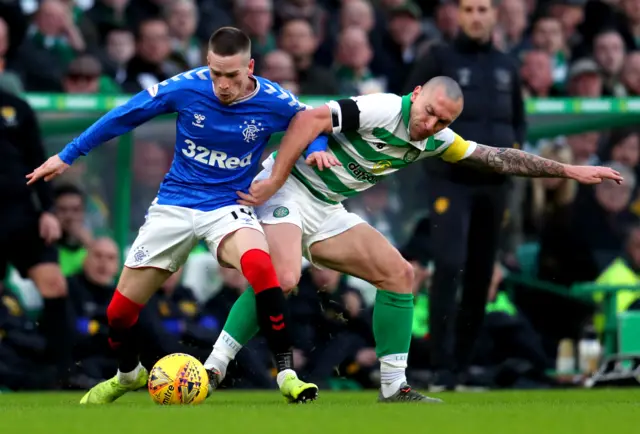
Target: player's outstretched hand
{"type": "Point", "coordinates": [322, 160]}
{"type": "Point", "coordinates": [259, 192]}
{"type": "Point", "coordinates": [592, 174]}
{"type": "Point", "coordinates": [51, 168]}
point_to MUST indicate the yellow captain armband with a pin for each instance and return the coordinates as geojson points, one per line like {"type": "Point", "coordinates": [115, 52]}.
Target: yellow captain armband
{"type": "Point", "coordinates": [458, 150]}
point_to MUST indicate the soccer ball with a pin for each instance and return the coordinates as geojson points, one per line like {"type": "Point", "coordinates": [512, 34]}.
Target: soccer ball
{"type": "Point", "coordinates": [178, 379]}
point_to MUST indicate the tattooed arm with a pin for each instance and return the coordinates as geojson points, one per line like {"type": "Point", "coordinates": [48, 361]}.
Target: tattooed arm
{"type": "Point", "coordinates": [519, 163]}
{"type": "Point", "coordinates": [514, 162]}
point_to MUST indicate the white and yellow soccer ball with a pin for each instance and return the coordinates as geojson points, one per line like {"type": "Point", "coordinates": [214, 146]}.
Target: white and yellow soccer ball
{"type": "Point", "coordinates": [178, 379]}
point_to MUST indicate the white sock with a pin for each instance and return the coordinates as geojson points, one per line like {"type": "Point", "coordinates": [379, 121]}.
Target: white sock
{"type": "Point", "coordinates": [129, 377]}
{"type": "Point", "coordinates": [392, 373]}
{"type": "Point", "coordinates": [283, 374]}
{"type": "Point", "coordinates": [224, 351]}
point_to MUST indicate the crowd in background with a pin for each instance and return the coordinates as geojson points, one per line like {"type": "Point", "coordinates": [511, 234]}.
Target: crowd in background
{"type": "Point", "coordinates": [574, 48]}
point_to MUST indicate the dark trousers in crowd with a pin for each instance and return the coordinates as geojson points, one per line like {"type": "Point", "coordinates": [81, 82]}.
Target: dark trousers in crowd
{"type": "Point", "coordinates": [466, 221]}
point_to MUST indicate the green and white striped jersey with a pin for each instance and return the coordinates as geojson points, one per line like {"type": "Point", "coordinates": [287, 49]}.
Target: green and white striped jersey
{"type": "Point", "coordinates": [379, 146]}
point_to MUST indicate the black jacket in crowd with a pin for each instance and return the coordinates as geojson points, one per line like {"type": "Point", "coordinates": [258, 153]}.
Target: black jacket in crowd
{"type": "Point", "coordinates": [21, 151]}
{"type": "Point", "coordinates": [493, 111]}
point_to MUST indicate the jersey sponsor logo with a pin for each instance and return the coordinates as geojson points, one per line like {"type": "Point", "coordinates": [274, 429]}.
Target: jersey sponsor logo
{"type": "Point", "coordinates": [214, 158]}
{"type": "Point", "coordinates": [381, 166]}
{"type": "Point", "coordinates": [360, 174]}
{"type": "Point", "coordinates": [250, 130]}
{"type": "Point", "coordinates": [280, 212]}
{"type": "Point", "coordinates": [199, 119]}
{"type": "Point", "coordinates": [411, 155]}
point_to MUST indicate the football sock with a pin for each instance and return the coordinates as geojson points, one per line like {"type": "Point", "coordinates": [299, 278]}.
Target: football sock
{"type": "Point", "coordinates": [392, 323]}
{"type": "Point", "coordinates": [129, 377]}
{"type": "Point", "coordinates": [58, 328]}
{"type": "Point", "coordinates": [270, 305]}
{"type": "Point", "coordinates": [122, 315]}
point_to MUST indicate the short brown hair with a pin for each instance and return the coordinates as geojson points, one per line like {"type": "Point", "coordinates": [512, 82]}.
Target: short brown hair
{"type": "Point", "coordinates": [229, 41]}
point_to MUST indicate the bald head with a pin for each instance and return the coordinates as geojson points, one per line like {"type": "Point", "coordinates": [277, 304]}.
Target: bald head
{"type": "Point", "coordinates": [448, 85]}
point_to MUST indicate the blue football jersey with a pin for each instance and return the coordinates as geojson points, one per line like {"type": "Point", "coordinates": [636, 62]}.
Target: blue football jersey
{"type": "Point", "coordinates": [218, 147]}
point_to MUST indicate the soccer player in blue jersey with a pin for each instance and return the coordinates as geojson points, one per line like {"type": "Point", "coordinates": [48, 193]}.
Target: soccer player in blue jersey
{"type": "Point", "coordinates": [225, 118]}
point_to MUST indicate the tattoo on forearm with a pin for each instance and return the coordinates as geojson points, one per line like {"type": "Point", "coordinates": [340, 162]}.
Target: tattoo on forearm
{"type": "Point", "coordinates": [514, 162]}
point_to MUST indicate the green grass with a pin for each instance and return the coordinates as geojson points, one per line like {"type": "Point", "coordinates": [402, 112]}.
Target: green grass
{"type": "Point", "coordinates": [561, 412]}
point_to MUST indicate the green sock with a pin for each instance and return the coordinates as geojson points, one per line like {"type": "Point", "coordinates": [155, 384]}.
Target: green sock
{"type": "Point", "coordinates": [242, 322]}
{"type": "Point", "coordinates": [392, 323]}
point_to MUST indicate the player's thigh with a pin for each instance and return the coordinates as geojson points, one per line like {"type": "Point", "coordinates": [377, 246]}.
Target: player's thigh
{"type": "Point", "coordinates": [160, 249]}
{"type": "Point", "coordinates": [281, 218]}
{"type": "Point", "coordinates": [285, 247]}
{"type": "Point", "coordinates": [230, 232]}
{"type": "Point", "coordinates": [363, 252]}
{"type": "Point", "coordinates": [139, 284]}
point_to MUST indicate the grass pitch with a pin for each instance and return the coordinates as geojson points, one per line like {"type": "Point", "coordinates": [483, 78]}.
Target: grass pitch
{"type": "Point", "coordinates": [228, 412]}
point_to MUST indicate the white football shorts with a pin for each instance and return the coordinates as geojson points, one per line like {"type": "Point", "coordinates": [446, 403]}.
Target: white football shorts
{"type": "Point", "coordinates": [171, 232]}
{"type": "Point", "coordinates": [318, 220]}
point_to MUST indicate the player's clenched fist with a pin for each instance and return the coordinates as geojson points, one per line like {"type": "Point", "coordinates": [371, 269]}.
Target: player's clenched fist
{"type": "Point", "coordinates": [322, 160]}
{"type": "Point", "coordinates": [51, 168]}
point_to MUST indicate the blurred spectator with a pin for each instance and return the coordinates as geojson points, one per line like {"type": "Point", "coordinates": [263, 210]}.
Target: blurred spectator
{"type": "Point", "coordinates": [108, 14]}
{"type": "Point", "coordinates": [54, 30]}
{"type": "Point", "coordinates": [513, 19]}
{"type": "Point", "coordinates": [547, 36]}
{"type": "Point", "coordinates": [182, 18]}
{"type": "Point", "coordinates": [175, 322]}
{"type": "Point", "coordinates": [23, 364]}
{"type": "Point", "coordinates": [298, 39]}
{"type": "Point", "coordinates": [584, 148]}
{"type": "Point", "coordinates": [29, 229]}
{"type": "Point", "coordinates": [624, 270]}
{"type": "Point", "coordinates": [252, 363]}
{"type": "Point", "coordinates": [357, 13]}
{"type": "Point", "coordinates": [631, 10]}
{"type": "Point", "coordinates": [402, 43]}
{"type": "Point", "coordinates": [150, 64]}
{"type": "Point", "coordinates": [255, 18]}
{"type": "Point", "coordinates": [549, 200]}
{"type": "Point", "coordinates": [585, 79]}
{"type": "Point", "coordinates": [307, 10]}
{"type": "Point", "coordinates": [150, 164]}
{"type": "Point", "coordinates": [537, 80]}
{"type": "Point", "coordinates": [91, 289]}
{"type": "Point", "coordinates": [120, 48]}
{"type": "Point", "coordinates": [446, 20]}
{"type": "Point", "coordinates": [376, 208]}
{"type": "Point", "coordinates": [84, 75]}
{"type": "Point", "coordinates": [467, 207]}
{"type": "Point", "coordinates": [353, 60]}
{"type": "Point", "coordinates": [623, 148]}
{"type": "Point", "coordinates": [609, 52]}
{"type": "Point", "coordinates": [69, 208]}
{"type": "Point", "coordinates": [9, 81]}
{"type": "Point", "coordinates": [278, 67]}
{"type": "Point", "coordinates": [631, 74]}
{"type": "Point", "coordinates": [570, 13]}
{"type": "Point", "coordinates": [337, 333]}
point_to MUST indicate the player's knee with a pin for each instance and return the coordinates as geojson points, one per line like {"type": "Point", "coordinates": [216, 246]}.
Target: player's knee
{"type": "Point", "coordinates": [288, 280]}
{"type": "Point", "coordinates": [52, 285]}
{"type": "Point", "coordinates": [399, 278]}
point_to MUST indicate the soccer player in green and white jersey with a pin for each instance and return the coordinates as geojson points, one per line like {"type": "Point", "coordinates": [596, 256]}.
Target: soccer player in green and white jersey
{"type": "Point", "coordinates": [372, 137]}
